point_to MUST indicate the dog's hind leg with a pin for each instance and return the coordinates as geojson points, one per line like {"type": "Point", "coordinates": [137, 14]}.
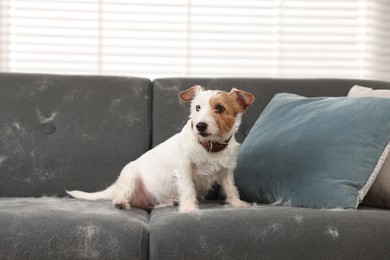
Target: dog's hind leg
{"type": "Point", "coordinates": [125, 187]}
{"type": "Point", "coordinates": [121, 198]}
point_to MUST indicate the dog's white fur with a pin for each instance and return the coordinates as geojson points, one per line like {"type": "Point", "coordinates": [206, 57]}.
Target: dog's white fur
{"type": "Point", "coordinates": [181, 169]}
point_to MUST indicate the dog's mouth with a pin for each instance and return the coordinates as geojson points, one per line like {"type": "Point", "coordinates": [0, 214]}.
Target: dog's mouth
{"type": "Point", "coordinates": [204, 134]}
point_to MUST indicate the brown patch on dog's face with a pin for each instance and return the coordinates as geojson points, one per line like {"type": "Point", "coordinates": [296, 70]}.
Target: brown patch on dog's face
{"type": "Point", "coordinates": [224, 111]}
{"type": "Point", "coordinates": [226, 106]}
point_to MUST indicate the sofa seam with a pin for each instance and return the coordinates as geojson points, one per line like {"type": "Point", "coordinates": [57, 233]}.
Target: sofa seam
{"type": "Point", "coordinates": [139, 246]}
{"type": "Point", "coordinates": [154, 245]}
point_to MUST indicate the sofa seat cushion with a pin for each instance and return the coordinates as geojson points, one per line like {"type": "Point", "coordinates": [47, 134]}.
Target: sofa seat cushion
{"type": "Point", "coordinates": [53, 228]}
{"type": "Point", "coordinates": [269, 232]}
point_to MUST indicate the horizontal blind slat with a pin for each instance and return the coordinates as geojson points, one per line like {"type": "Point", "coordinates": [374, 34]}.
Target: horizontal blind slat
{"type": "Point", "coordinates": [220, 37]}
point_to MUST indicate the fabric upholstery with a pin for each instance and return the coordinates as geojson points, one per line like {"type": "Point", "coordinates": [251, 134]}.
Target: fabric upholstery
{"type": "Point", "coordinates": [53, 228]}
{"type": "Point", "coordinates": [269, 232]}
{"type": "Point", "coordinates": [69, 132]}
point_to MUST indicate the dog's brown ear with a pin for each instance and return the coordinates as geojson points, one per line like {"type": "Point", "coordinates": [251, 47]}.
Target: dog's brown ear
{"type": "Point", "coordinates": [189, 94]}
{"type": "Point", "coordinates": [243, 98]}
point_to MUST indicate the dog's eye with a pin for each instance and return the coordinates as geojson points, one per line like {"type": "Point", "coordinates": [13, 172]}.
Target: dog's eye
{"type": "Point", "coordinates": [219, 109]}
{"type": "Point", "coordinates": [197, 108]}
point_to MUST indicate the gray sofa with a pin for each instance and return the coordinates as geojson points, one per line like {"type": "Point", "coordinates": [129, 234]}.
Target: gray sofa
{"type": "Point", "coordinates": [76, 132]}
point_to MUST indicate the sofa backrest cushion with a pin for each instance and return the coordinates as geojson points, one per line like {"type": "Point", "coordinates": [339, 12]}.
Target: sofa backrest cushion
{"type": "Point", "coordinates": [170, 114]}
{"type": "Point", "coordinates": [69, 132]}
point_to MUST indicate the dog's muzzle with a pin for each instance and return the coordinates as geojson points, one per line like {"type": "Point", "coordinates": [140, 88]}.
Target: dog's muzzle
{"type": "Point", "coordinates": [210, 146]}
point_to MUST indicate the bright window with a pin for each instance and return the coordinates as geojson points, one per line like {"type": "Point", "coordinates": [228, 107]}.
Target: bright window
{"type": "Point", "coordinates": [151, 38]}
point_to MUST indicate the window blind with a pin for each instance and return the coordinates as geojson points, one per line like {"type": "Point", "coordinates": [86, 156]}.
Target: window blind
{"type": "Point", "coordinates": [150, 38]}
{"type": "Point", "coordinates": [378, 40]}
{"type": "Point", "coordinates": [4, 33]}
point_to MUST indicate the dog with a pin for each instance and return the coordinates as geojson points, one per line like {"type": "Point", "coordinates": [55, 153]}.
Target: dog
{"type": "Point", "coordinates": [183, 168]}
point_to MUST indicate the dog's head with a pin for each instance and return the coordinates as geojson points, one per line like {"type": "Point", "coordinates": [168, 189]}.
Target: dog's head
{"type": "Point", "coordinates": [216, 114]}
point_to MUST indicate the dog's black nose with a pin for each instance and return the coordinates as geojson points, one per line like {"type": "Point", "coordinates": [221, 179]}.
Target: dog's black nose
{"type": "Point", "coordinates": [201, 127]}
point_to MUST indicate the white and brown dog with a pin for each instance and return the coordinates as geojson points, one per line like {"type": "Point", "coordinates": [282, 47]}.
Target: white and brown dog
{"type": "Point", "coordinates": [183, 168]}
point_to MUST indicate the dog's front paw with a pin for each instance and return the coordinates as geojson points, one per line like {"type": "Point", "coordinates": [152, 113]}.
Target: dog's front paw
{"type": "Point", "coordinates": [239, 204]}
{"type": "Point", "coordinates": [188, 208]}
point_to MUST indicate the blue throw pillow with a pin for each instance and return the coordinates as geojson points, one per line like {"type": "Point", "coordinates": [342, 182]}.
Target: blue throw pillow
{"type": "Point", "coordinates": [320, 152]}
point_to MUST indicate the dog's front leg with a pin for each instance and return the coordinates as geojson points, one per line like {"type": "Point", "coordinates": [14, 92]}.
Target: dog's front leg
{"type": "Point", "coordinates": [230, 190]}
{"type": "Point", "coordinates": [187, 192]}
